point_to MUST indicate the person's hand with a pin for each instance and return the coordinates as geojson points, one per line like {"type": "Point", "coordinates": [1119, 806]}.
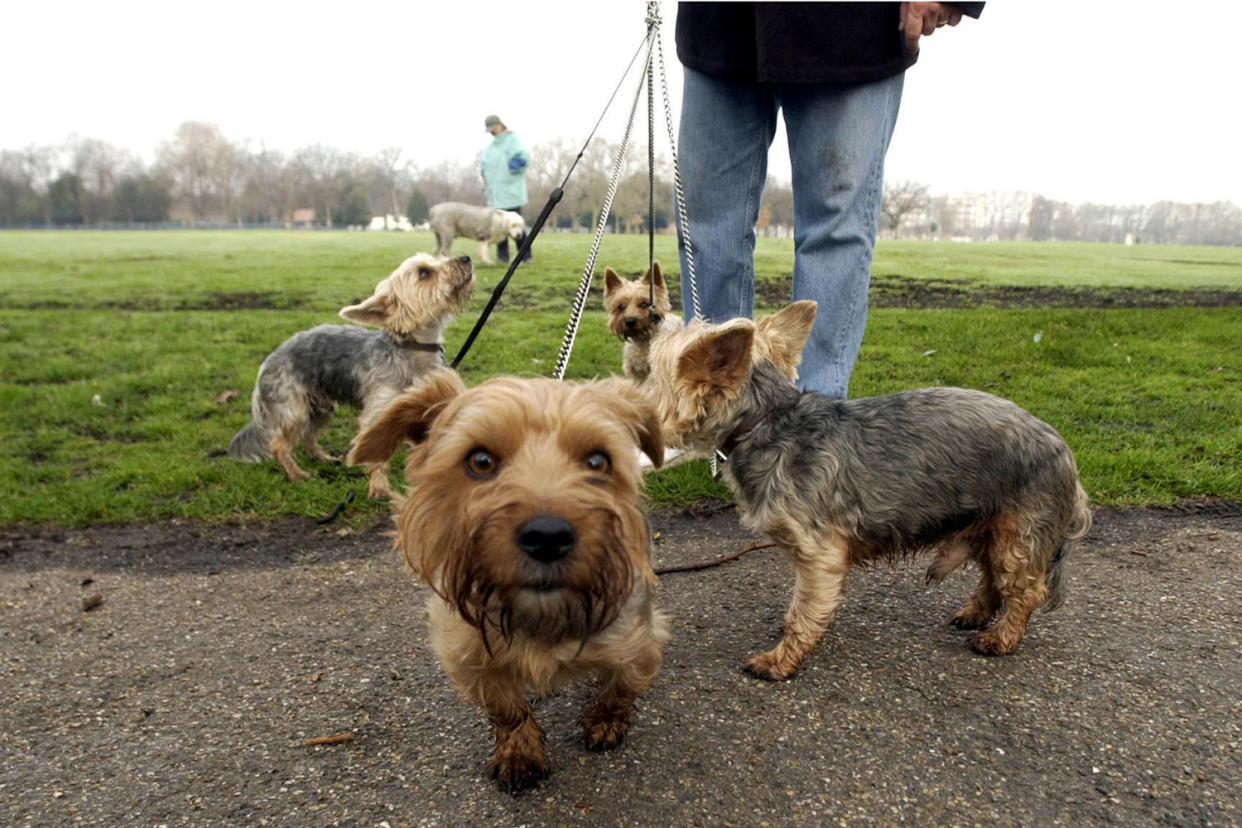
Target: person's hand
{"type": "Point", "coordinates": [918, 19]}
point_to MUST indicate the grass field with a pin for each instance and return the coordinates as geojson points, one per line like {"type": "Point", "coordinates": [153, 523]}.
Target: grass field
{"type": "Point", "coordinates": [114, 347]}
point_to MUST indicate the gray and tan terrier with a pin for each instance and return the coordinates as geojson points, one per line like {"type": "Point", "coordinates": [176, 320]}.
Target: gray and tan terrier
{"type": "Point", "coordinates": [300, 383]}
{"type": "Point", "coordinates": [835, 483]}
{"type": "Point", "coordinates": [523, 514]}
{"type": "Point", "coordinates": [638, 311]}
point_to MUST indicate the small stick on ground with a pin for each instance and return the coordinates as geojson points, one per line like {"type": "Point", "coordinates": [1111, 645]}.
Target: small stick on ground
{"type": "Point", "coordinates": [334, 739]}
{"type": "Point", "coordinates": [694, 567]}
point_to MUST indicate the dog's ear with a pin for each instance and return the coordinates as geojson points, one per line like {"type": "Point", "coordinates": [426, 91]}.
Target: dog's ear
{"type": "Point", "coordinates": [639, 412]}
{"type": "Point", "coordinates": [408, 417]}
{"type": "Point", "coordinates": [654, 274]}
{"type": "Point", "coordinates": [783, 335]}
{"type": "Point", "coordinates": [373, 311]}
{"type": "Point", "coordinates": [720, 360]}
{"type": "Point", "coordinates": [611, 280]}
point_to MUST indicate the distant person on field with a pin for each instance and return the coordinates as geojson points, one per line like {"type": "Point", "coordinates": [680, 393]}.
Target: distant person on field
{"type": "Point", "coordinates": [503, 167]}
{"type": "Point", "coordinates": [835, 71]}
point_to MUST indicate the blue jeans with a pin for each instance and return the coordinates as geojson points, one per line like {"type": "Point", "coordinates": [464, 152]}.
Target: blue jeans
{"type": "Point", "coordinates": [837, 140]}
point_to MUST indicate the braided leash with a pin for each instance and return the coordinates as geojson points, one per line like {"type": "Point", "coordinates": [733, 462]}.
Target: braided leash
{"type": "Point", "coordinates": [655, 50]}
{"type": "Point", "coordinates": [584, 285]}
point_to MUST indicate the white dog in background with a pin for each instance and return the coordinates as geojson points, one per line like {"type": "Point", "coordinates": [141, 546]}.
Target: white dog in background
{"type": "Point", "coordinates": [452, 219]}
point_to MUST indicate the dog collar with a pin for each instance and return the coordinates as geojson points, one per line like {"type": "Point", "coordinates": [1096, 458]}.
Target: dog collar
{"type": "Point", "coordinates": [415, 345]}
{"type": "Point", "coordinates": [740, 431]}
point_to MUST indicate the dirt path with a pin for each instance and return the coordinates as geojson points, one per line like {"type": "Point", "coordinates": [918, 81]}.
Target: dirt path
{"type": "Point", "coordinates": [186, 693]}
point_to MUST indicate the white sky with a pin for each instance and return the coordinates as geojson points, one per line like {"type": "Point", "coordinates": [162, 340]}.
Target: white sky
{"type": "Point", "coordinates": [1080, 101]}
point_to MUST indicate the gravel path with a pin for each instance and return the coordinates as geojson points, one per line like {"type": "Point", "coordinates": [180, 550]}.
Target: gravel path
{"type": "Point", "coordinates": [172, 674]}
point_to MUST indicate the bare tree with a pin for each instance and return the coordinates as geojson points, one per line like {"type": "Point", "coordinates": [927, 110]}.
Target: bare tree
{"type": "Point", "coordinates": [321, 175]}
{"type": "Point", "coordinates": [387, 168]}
{"type": "Point", "coordinates": [1065, 224]}
{"type": "Point", "coordinates": [634, 191]}
{"type": "Point", "coordinates": [900, 200]}
{"type": "Point", "coordinates": [266, 193]}
{"type": "Point", "coordinates": [97, 165]}
{"type": "Point", "coordinates": [945, 213]}
{"type": "Point", "coordinates": [25, 176]}
{"type": "Point", "coordinates": [201, 165]}
{"type": "Point", "coordinates": [450, 181]}
{"type": "Point", "coordinates": [1039, 220]}
{"type": "Point", "coordinates": [778, 199]}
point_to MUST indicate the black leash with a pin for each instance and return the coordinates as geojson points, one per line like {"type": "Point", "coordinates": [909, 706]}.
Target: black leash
{"type": "Point", "coordinates": [651, 23]}
{"type": "Point", "coordinates": [553, 199]}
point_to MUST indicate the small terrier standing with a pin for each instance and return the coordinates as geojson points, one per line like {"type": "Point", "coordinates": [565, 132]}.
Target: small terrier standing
{"type": "Point", "coordinates": [837, 483]}
{"type": "Point", "coordinates": [634, 317]}
{"type": "Point", "coordinates": [523, 515]}
{"type": "Point", "coordinates": [300, 383]}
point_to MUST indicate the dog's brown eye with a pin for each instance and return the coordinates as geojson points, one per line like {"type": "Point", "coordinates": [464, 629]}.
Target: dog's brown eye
{"type": "Point", "coordinates": [644, 305]}
{"type": "Point", "coordinates": [481, 463]}
{"type": "Point", "coordinates": [424, 273]}
{"type": "Point", "coordinates": [598, 462]}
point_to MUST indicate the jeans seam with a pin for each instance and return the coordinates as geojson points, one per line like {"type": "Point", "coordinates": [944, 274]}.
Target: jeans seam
{"type": "Point", "coordinates": [753, 197]}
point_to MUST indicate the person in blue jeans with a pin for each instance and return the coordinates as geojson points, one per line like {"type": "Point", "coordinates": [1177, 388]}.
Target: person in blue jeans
{"type": "Point", "coordinates": [503, 167]}
{"type": "Point", "coordinates": [835, 71]}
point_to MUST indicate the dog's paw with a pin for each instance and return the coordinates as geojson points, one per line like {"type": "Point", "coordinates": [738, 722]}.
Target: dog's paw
{"type": "Point", "coordinates": [516, 772]}
{"type": "Point", "coordinates": [967, 621]}
{"type": "Point", "coordinates": [606, 733]}
{"type": "Point", "coordinates": [766, 666]}
{"type": "Point", "coordinates": [988, 643]}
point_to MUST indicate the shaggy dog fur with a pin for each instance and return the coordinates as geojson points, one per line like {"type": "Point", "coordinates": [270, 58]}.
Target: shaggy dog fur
{"type": "Point", "coordinates": [300, 383]}
{"type": "Point", "coordinates": [634, 317]}
{"type": "Point", "coordinates": [837, 483]}
{"type": "Point", "coordinates": [523, 515]}
{"type": "Point", "coordinates": [453, 219]}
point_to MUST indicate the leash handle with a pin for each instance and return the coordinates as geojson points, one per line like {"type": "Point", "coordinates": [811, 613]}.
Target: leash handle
{"type": "Point", "coordinates": [523, 248]}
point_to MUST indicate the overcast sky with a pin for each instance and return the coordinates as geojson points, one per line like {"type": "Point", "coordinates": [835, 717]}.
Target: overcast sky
{"type": "Point", "coordinates": [1079, 101]}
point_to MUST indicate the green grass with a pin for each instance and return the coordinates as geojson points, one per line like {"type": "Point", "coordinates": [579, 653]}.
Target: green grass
{"type": "Point", "coordinates": [115, 346]}
{"type": "Point", "coordinates": [1044, 264]}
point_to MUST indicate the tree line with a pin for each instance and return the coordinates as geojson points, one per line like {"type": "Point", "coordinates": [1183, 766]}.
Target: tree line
{"type": "Point", "coordinates": [909, 210]}
{"type": "Point", "coordinates": [200, 177]}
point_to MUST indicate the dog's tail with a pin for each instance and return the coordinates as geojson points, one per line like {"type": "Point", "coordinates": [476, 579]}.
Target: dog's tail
{"type": "Point", "coordinates": [250, 444]}
{"type": "Point", "coordinates": [1080, 525]}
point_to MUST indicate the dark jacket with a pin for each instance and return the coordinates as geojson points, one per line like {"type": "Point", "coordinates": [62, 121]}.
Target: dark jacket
{"type": "Point", "coordinates": [795, 42]}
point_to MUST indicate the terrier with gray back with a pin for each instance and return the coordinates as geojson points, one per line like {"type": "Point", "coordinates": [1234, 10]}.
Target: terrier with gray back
{"type": "Point", "coordinates": [300, 383]}
{"type": "Point", "coordinates": [837, 483]}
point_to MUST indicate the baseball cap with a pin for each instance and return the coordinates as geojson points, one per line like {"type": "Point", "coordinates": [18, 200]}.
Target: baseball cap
{"type": "Point", "coordinates": [491, 121]}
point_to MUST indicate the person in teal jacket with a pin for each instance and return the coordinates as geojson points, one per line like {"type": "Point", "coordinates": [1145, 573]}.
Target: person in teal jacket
{"type": "Point", "coordinates": [503, 167]}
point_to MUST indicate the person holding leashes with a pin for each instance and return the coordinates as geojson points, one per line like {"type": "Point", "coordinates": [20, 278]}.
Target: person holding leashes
{"type": "Point", "coordinates": [835, 71]}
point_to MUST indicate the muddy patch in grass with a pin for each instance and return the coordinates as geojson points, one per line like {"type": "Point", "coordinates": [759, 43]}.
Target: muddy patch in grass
{"type": "Point", "coordinates": [215, 301]}
{"type": "Point", "coordinates": [892, 290]}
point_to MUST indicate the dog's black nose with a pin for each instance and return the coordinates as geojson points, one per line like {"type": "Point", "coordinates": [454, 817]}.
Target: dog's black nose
{"type": "Point", "coordinates": [631, 323]}
{"type": "Point", "coordinates": [464, 259]}
{"type": "Point", "coordinates": [546, 538]}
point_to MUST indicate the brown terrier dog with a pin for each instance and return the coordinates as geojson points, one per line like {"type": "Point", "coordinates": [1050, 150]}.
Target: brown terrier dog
{"type": "Point", "coordinates": [634, 317]}
{"type": "Point", "coordinates": [837, 483]}
{"type": "Point", "coordinates": [523, 515]}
